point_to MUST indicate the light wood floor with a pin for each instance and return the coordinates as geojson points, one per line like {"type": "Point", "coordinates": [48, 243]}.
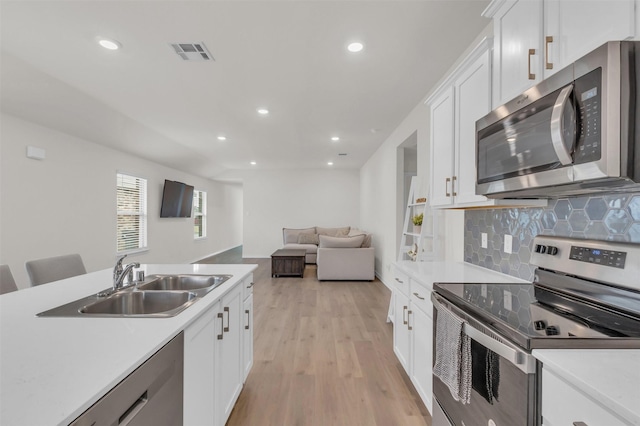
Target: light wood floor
{"type": "Point", "coordinates": [323, 356]}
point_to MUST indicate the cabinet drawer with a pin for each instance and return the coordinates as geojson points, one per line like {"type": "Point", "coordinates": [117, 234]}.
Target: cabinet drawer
{"type": "Point", "coordinates": [421, 298]}
{"type": "Point", "coordinates": [401, 281]}
{"type": "Point", "coordinates": [247, 287]}
{"type": "Point", "coordinates": [564, 404]}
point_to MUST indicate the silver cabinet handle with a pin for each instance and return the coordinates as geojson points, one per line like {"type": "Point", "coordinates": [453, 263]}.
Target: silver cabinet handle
{"type": "Point", "coordinates": [531, 53]}
{"type": "Point", "coordinates": [246, 327]}
{"type": "Point", "coordinates": [547, 41]}
{"type": "Point", "coordinates": [408, 324]}
{"type": "Point", "coordinates": [226, 329]}
{"type": "Point", "coordinates": [404, 311]}
{"type": "Point", "coordinates": [453, 186]}
{"type": "Point", "coordinates": [563, 153]}
{"type": "Point", "coordinates": [418, 296]}
{"type": "Point", "coordinates": [399, 280]}
{"type": "Point", "coordinates": [580, 424]}
{"type": "Point", "coordinates": [221, 335]}
{"type": "Point", "coordinates": [249, 286]}
{"type": "Point", "coordinates": [446, 187]}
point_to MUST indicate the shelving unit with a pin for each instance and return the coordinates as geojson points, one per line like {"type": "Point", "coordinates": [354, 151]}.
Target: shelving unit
{"type": "Point", "coordinates": [426, 239]}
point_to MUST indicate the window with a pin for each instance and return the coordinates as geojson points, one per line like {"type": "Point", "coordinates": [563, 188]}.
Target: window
{"type": "Point", "coordinates": [199, 214]}
{"type": "Point", "coordinates": [132, 213]}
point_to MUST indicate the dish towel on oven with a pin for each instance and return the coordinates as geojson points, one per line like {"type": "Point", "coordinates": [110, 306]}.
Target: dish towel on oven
{"type": "Point", "coordinates": [453, 355]}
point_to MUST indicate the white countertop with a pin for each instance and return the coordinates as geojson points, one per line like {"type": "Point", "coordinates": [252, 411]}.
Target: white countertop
{"type": "Point", "coordinates": [461, 272]}
{"type": "Point", "coordinates": [53, 369]}
{"type": "Point", "coordinates": [611, 377]}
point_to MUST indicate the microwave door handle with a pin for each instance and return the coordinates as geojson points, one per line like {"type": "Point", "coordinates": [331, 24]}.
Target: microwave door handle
{"type": "Point", "coordinates": [557, 140]}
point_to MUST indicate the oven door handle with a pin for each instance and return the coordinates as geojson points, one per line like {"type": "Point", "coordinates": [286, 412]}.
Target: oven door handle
{"type": "Point", "coordinates": [515, 357]}
{"type": "Point", "coordinates": [520, 359]}
{"type": "Point", "coordinates": [557, 139]}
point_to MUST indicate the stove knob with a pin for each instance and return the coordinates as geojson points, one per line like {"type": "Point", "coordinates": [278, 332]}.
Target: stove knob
{"type": "Point", "coordinates": [552, 250]}
{"type": "Point", "coordinates": [540, 325]}
{"type": "Point", "coordinates": [541, 248]}
{"type": "Point", "coordinates": [552, 330]}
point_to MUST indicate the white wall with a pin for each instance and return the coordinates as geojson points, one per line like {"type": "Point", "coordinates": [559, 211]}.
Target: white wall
{"type": "Point", "coordinates": [276, 199]}
{"type": "Point", "coordinates": [67, 203]}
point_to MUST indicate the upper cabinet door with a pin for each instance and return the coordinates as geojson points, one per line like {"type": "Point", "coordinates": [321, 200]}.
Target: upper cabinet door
{"type": "Point", "coordinates": [473, 101]}
{"type": "Point", "coordinates": [517, 49]}
{"type": "Point", "coordinates": [573, 28]}
{"type": "Point", "coordinates": [442, 145]}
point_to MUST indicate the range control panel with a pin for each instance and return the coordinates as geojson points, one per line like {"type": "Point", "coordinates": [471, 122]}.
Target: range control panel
{"type": "Point", "coordinates": [612, 262]}
{"type": "Point", "coordinates": [615, 259]}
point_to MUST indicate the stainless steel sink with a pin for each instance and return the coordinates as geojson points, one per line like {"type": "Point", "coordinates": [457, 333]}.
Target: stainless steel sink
{"type": "Point", "coordinates": [199, 284]}
{"type": "Point", "coordinates": [159, 296]}
{"type": "Point", "coordinates": [141, 303]}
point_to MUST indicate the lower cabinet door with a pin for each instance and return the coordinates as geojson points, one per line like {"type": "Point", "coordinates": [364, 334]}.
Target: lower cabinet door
{"type": "Point", "coordinates": [247, 333]}
{"type": "Point", "coordinates": [229, 354]}
{"type": "Point", "coordinates": [401, 344]}
{"type": "Point", "coordinates": [199, 369]}
{"type": "Point", "coordinates": [422, 354]}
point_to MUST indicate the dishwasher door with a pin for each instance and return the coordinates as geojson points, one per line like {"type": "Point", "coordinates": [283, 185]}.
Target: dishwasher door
{"type": "Point", "coordinates": [151, 395]}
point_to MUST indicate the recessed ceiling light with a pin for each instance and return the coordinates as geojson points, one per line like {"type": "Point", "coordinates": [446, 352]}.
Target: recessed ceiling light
{"type": "Point", "coordinates": [109, 44]}
{"type": "Point", "coordinates": [330, 163]}
{"type": "Point", "coordinates": [253, 163]}
{"type": "Point", "coordinates": [263, 111]}
{"type": "Point", "coordinates": [355, 47]}
{"type": "Point", "coordinates": [222, 138]}
{"type": "Point", "coordinates": [335, 138]}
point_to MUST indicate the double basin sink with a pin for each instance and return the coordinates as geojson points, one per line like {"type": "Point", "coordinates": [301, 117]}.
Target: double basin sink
{"type": "Point", "coordinates": [158, 296]}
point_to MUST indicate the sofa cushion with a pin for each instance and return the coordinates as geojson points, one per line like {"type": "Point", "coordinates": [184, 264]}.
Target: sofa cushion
{"type": "Point", "coordinates": [334, 232]}
{"type": "Point", "coordinates": [341, 242]}
{"type": "Point", "coordinates": [290, 235]}
{"type": "Point", "coordinates": [366, 243]}
{"type": "Point", "coordinates": [310, 248]}
{"type": "Point", "coordinates": [308, 239]}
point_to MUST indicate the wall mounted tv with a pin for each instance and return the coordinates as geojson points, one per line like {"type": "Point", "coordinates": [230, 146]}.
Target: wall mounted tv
{"type": "Point", "coordinates": [177, 199]}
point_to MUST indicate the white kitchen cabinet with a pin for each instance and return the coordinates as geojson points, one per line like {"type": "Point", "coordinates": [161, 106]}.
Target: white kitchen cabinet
{"type": "Point", "coordinates": [535, 38]}
{"type": "Point", "coordinates": [413, 334]}
{"type": "Point", "coordinates": [563, 403]}
{"type": "Point", "coordinates": [199, 369]}
{"type": "Point", "coordinates": [442, 147]}
{"type": "Point", "coordinates": [215, 353]}
{"type": "Point", "coordinates": [247, 328]}
{"type": "Point", "coordinates": [517, 62]}
{"type": "Point", "coordinates": [461, 100]}
{"type": "Point", "coordinates": [229, 354]}
{"type": "Point", "coordinates": [401, 343]}
{"type": "Point", "coordinates": [421, 336]}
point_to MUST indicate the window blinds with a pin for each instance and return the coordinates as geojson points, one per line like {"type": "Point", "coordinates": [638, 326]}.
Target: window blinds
{"type": "Point", "coordinates": [132, 213]}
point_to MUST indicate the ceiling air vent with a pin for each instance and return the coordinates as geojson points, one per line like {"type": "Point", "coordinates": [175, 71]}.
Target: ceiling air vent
{"type": "Point", "coordinates": [342, 154]}
{"type": "Point", "coordinates": [192, 51]}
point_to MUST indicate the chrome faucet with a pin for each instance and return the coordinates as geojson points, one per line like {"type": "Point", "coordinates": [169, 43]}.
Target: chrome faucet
{"type": "Point", "coordinates": [119, 273]}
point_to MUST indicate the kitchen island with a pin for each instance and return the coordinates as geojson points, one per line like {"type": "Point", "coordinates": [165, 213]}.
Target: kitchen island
{"type": "Point", "coordinates": [53, 369]}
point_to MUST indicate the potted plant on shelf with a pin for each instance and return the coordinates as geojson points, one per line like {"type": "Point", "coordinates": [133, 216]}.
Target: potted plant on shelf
{"type": "Point", "coordinates": [417, 222]}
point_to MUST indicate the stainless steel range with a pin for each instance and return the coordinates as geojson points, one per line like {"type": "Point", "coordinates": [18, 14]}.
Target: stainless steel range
{"type": "Point", "coordinates": [585, 294]}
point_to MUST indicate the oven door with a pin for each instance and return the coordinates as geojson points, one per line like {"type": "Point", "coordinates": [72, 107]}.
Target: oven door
{"type": "Point", "coordinates": [530, 147]}
{"type": "Point", "coordinates": [505, 385]}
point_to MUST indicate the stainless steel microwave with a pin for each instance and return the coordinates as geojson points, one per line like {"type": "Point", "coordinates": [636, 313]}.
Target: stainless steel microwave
{"type": "Point", "coordinates": [576, 132]}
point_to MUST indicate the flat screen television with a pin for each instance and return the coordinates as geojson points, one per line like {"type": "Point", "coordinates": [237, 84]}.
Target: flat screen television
{"type": "Point", "coordinates": [177, 199]}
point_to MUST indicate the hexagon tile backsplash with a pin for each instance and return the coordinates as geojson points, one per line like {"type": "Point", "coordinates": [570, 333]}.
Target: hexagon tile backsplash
{"type": "Point", "coordinates": [614, 217]}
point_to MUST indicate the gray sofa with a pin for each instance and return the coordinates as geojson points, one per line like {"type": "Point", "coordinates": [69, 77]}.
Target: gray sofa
{"type": "Point", "coordinates": [341, 253]}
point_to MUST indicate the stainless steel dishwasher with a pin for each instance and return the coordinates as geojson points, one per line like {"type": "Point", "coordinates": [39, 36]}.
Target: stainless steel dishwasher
{"type": "Point", "coordinates": [151, 395]}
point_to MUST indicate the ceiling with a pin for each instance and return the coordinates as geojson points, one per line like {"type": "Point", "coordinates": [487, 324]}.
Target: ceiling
{"type": "Point", "coordinates": [287, 56]}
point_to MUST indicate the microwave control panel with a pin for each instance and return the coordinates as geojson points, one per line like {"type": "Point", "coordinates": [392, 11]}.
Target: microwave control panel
{"type": "Point", "coordinates": [588, 97]}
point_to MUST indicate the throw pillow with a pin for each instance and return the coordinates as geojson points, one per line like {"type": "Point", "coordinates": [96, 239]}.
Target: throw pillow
{"type": "Point", "coordinates": [291, 235]}
{"type": "Point", "coordinates": [333, 232]}
{"type": "Point", "coordinates": [367, 237]}
{"type": "Point", "coordinates": [340, 242]}
{"type": "Point", "coordinates": [308, 239]}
